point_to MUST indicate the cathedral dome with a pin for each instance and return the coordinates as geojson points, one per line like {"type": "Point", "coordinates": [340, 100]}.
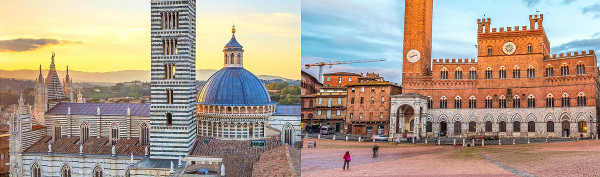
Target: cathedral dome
{"type": "Point", "coordinates": [234, 86]}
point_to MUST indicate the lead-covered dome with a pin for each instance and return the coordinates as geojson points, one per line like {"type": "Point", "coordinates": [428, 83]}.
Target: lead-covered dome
{"type": "Point", "coordinates": [234, 86]}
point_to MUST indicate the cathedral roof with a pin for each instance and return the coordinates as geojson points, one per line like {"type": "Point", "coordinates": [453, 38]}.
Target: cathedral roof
{"type": "Point", "coordinates": [112, 109]}
{"type": "Point", "coordinates": [233, 43]}
{"type": "Point", "coordinates": [234, 87]}
{"type": "Point", "coordinates": [287, 110]}
{"type": "Point", "coordinates": [95, 146]}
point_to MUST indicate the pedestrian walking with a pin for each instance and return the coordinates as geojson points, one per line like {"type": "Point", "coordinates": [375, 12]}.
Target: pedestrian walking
{"type": "Point", "coordinates": [375, 151]}
{"type": "Point", "coordinates": [346, 161]}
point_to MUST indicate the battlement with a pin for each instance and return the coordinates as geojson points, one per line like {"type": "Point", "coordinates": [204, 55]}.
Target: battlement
{"type": "Point", "coordinates": [535, 23]}
{"type": "Point", "coordinates": [454, 61]}
{"type": "Point", "coordinates": [569, 54]}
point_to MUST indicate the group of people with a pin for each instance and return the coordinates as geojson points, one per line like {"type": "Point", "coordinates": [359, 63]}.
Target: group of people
{"type": "Point", "coordinates": [347, 158]}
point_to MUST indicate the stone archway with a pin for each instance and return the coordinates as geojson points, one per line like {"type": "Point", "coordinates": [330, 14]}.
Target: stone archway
{"type": "Point", "coordinates": [457, 128]}
{"type": "Point", "coordinates": [403, 117]}
{"type": "Point", "coordinates": [443, 128]}
{"type": "Point", "coordinates": [566, 128]}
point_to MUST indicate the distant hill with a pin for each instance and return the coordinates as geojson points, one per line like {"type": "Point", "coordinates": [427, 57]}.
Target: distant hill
{"type": "Point", "coordinates": [103, 78]}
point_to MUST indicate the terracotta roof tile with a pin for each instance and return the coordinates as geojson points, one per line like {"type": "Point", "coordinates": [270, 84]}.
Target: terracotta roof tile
{"type": "Point", "coordinates": [97, 146]}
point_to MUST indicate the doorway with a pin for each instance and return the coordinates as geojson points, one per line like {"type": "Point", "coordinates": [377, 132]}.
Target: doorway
{"type": "Point", "coordinates": [443, 128]}
{"type": "Point", "coordinates": [457, 128]}
{"type": "Point", "coordinates": [565, 128]}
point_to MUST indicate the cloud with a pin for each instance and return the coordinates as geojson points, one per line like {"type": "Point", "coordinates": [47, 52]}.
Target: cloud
{"type": "Point", "coordinates": [578, 45]}
{"type": "Point", "coordinates": [594, 9]}
{"type": "Point", "coordinates": [27, 44]}
{"type": "Point", "coordinates": [531, 3]}
{"type": "Point", "coordinates": [565, 2]}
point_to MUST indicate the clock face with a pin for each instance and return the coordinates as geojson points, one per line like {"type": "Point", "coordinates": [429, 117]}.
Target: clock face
{"type": "Point", "coordinates": [413, 55]}
{"type": "Point", "coordinates": [509, 48]}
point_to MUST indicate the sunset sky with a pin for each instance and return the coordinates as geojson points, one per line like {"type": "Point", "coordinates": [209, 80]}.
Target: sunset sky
{"type": "Point", "coordinates": [113, 35]}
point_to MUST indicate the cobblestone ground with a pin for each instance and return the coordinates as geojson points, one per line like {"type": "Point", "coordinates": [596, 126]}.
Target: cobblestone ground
{"type": "Point", "coordinates": [576, 158]}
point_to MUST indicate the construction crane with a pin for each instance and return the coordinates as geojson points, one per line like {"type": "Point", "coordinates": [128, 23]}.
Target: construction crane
{"type": "Point", "coordinates": [331, 63]}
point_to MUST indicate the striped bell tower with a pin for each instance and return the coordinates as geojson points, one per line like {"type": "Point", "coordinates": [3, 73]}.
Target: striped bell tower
{"type": "Point", "coordinates": [173, 87]}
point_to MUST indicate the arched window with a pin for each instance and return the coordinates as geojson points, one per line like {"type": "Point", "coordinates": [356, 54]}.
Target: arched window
{"type": "Point", "coordinates": [489, 50]}
{"type": "Point", "coordinates": [502, 126]}
{"type": "Point", "coordinates": [529, 48]}
{"type": "Point", "coordinates": [429, 102]}
{"type": "Point", "coordinates": [502, 73]}
{"type": "Point", "coordinates": [472, 73]}
{"type": "Point", "coordinates": [444, 73]}
{"type": "Point", "coordinates": [65, 171]}
{"type": "Point", "coordinates": [472, 126]}
{"type": "Point", "coordinates": [516, 102]}
{"type": "Point", "coordinates": [488, 73]}
{"type": "Point", "coordinates": [458, 73]}
{"type": "Point", "coordinates": [457, 102]}
{"type": "Point", "coordinates": [472, 102]}
{"type": "Point", "coordinates": [429, 126]}
{"type": "Point", "coordinates": [530, 126]}
{"type": "Point", "coordinates": [565, 100]}
{"type": "Point", "coordinates": [97, 171]}
{"type": "Point", "coordinates": [488, 102]}
{"type": "Point", "coordinates": [144, 134]}
{"type": "Point", "coordinates": [288, 137]}
{"type": "Point", "coordinates": [581, 101]}
{"type": "Point", "coordinates": [169, 119]}
{"type": "Point", "coordinates": [549, 71]}
{"type": "Point", "coordinates": [169, 96]}
{"type": "Point", "coordinates": [564, 69]}
{"type": "Point", "coordinates": [531, 101]}
{"type": "Point", "coordinates": [114, 133]}
{"type": "Point", "coordinates": [517, 126]}
{"type": "Point", "coordinates": [502, 102]}
{"type": "Point", "coordinates": [231, 59]}
{"type": "Point", "coordinates": [516, 72]}
{"type": "Point", "coordinates": [239, 58]}
{"type": "Point", "coordinates": [443, 103]}
{"type": "Point", "coordinates": [488, 126]}
{"type": "Point", "coordinates": [36, 171]}
{"type": "Point", "coordinates": [412, 125]}
{"type": "Point", "coordinates": [84, 129]}
{"type": "Point", "coordinates": [549, 101]}
{"type": "Point", "coordinates": [580, 68]}
{"type": "Point", "coordinates": [550, 126]}
{"type": "Point", "coordinates": [582, 126]}
{"type": "Point", "coordinates": [530, 72]}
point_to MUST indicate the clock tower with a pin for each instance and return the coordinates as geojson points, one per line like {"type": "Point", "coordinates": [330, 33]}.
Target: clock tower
{"type": "Point", "coordinates": [417, 40]}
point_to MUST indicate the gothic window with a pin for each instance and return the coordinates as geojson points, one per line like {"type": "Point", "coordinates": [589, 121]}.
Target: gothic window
{"type": "Point", "coordinates": [488, 126]}
{"type": "Point", "coordinates": [144, 134]}
{"type": "Point", "coordinates": [565, 100]}
{"type": "Point", "coordinates": [564, 69]}
{"type": "Point", "coordinates": [581, 101]}
{"type": "Point", "coordinates": [530, 72]}
{"type": "Point", "coordinates": [169, 46]}
{"type": "Point", "coordinates": [169, 20]}
{"type": "Point", "coordinates": [36, 171]}
{"type": "Point", "coordinates": [502, 102]}
{"type": "Point", "coordinates": [443, 103]}
{"type": "Point", "coordinates": [516, 102]}
{"type": "Point", "coordinates": [488, 73]}
{"type": "Point", "coordinates": [530, 126]}
{"type": "Point", "coordinates": [97, 171]}
{"type": "Point", "coordinates": [549, 71]}
{"type": "Point", "coordinates": [529, 48]}
{"type": "Point", "coordinates": [472, 73]}
{"type": "Point", "coordinates": [429, 126]}
{"type": "Point", "coordinates": [57, 131]}
{"type": "Point", "coordinates": [472, 126]}
{"type": "Point", "coordinates": [472, 102]}
{"type": "Point", "coordinates": [550, 126]}
{"type": "Point", "coordinates": [516, 126]}
{"type": "Point", "coordinates": [457, 102]}
{"type": "Point", "coordinates": [169, 71]}
{"type": "Point", "coordinates": [84, 130]}
{"type": "Point", "coordinates": [531, 101]}
{"type": "Point", "coordinates": [169, 96]}
{"type": "Point", "coordinates": [114, 133]}
{"type": "Point", "coordinates": [65, 171]}
{"type": "Point", "coordinates": [458, 73]}
{"type": "Point", "coordinates": [429, 102]}
{"type": "Point", "coordinates": [502, 126]}
{"type": "Point", "coordinates": [489, 50]}
{"type": "Point", "coordinates": [502, 73]}
{"type": "Point", "coordinates": [232, 58]}
{"type": "Point", "coordinates": [582, 126]}
{"type": "Point", "coordinates": [444, 73]}
{"type": "Point", "coordinates": [550, 101]}
{"type": "Point", "coordinates": [488, 102]}
{"type": "Point", "coordinates": [580, 68]}
{"type": "Point", "coordinates": [169, 119]}
{"type": "Point", "coordinates": [516, 72]}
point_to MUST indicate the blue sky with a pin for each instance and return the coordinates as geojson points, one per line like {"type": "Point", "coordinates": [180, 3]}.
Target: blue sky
{"type": "Point", "coordinates": [357, 29]}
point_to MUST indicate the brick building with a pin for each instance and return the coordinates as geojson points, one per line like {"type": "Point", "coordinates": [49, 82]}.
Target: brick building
{"type": "Point", "coordinates": [330, 107]}
{"type": "Point", "coordinates": [307, 108]}
{"type": "Point", "coordinates": [368, 107]}
{"type": "Point", "coordinates": [370, 77]}
{"type": "Point", "coordinates": [309, 84]}
{"type": "Point", "coordinates": [515, 87]}
{"type": "Point", "coordinates": [340, 79]}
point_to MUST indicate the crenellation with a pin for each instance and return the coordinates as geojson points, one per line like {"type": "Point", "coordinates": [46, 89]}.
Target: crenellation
{"type": "Point", "coordinates": [509, 28]}
{"type": "Point", "coordinates": [493, 30]}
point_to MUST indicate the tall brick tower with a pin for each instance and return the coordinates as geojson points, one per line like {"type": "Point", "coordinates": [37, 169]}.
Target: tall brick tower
{"type": "Point", "coordinates": [417, 40]}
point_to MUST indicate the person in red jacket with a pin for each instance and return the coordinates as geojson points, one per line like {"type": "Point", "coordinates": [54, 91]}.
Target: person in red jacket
{"type": "Point", "coordinates": [346, 161]}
